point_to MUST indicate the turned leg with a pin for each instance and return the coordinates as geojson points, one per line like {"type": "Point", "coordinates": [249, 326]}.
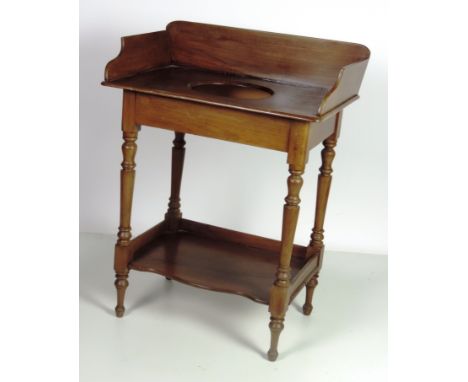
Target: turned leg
{"type": "Point", "coordinates": [121, 284]}
{"type": "Point", "coordinates": [127, 180]}
{"type": "Point", "coordinates": [276, 326]}
{"type": "Point", "coordinates": [323, 190]}
{"type": "Point", "coordinates": [279, 294]}
{"type": "Point", "coordinates": [173, 214]}
{"type": "Point", "coordinates": [310, 287]}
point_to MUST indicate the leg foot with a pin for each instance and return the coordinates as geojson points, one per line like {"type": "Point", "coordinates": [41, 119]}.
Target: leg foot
{"type": "Point", "coordinates": [307, 309]}
{"type": "Point", "coordinates": [276, 326]}
{"type": "Point", "coordinates": [310, 287]}
{"type": "Point", "coordinates": [121, 283]}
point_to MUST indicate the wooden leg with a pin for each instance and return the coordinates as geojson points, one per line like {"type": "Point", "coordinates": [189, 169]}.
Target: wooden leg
{"type": "Point", "coordinates": [127, 180]}
{"type": "Point", "coordinates": [276, 326]}
{"type": "Point", "coordinates": [173, 214]}
{"type": "Point", "coordinates": [323, 190]}
{"type": "Point", "coordinates": [279, 293]}
{"type": "Point", "coordinates": [121, 283]}
{"type": "Point", "coordinates": [310, 287]}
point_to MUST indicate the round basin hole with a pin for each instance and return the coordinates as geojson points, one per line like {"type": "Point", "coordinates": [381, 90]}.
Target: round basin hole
{"type": "Point", "coordinates": [233, 90]}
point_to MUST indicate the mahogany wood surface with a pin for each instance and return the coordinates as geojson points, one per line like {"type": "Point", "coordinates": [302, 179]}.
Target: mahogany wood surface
{"type": "Point", "coordinates": [308, 76]}
{"type": "Point", "coordinates": [146, 237]}
{"type": "Point", "coordinates": [243, 247]}
{"type": "Point", "coordinates": [139, 53]}
{"type": "Point", "coordinates": [218, 233]}
{"type": "Point", "coordinates": [285, 58]}
{"type": "Point", "coordinates": [213, 121]}
{"type": "Point", "coordinates": [215, 264]}
{"type": "Point", "coordinates": [281, 99]}
{"type": "Point", "coordinates": [268, 90]}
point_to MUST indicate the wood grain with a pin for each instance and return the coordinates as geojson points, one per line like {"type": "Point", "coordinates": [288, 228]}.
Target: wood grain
{"type": "Point", "coordinates": [218, 265]}
{"type": "Point", "coordinates": [285, 100]}
{"type": "Point", "coordinates": [213, 121]}
{"type": "Point", "coordinates": [286, 58]}
{"type": "Point", "coordinates": [139, 53]}
{"type": "Point", "coordinates": [218, 233]}
{"type": "Point", "coordinates": [318, 75]}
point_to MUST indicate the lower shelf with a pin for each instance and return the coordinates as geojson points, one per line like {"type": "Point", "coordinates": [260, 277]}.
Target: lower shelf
{"type": "Point", "coordinates": [214, 258]}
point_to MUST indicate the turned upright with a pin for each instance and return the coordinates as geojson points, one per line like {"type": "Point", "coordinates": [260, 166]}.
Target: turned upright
{"type": "Point", "coordinates": [275, 91]}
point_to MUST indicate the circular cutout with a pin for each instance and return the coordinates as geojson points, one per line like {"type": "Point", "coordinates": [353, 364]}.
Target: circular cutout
{"type": "Point", "coordinates": [233, 90]}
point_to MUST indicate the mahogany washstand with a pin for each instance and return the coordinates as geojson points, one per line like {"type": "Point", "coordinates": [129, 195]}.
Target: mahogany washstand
{"type": "Point", "coordinates": [263, 89]}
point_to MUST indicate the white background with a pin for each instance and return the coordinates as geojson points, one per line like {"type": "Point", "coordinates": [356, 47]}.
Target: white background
{"type": "Point", "coordinates": [227, 184]}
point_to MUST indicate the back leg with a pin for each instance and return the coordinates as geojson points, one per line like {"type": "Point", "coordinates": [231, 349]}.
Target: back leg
{"type": "Point", "coordinates": [310, 287]}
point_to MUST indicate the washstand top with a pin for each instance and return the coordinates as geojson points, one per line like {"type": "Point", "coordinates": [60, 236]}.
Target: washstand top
{"type": "Point", "coordinates": [300, 78]}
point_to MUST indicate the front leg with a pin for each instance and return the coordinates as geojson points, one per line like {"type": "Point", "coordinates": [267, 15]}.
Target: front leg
{"type": "Point", "coordinates": [279, 294]}
{"type": "Point", "coordinates": [127, 181]}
